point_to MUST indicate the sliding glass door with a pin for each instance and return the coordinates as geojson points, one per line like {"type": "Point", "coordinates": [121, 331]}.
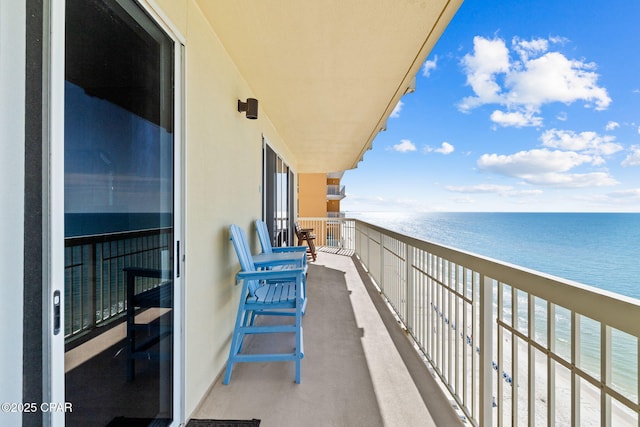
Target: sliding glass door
{"type": "Point", "coordinates": [278, 206]}
{"type": "Point", "coordinates": [120, 219]}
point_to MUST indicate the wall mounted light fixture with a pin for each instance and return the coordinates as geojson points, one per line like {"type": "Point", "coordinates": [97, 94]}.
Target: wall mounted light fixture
{"type": "Point", "coordinates": [250, 107]}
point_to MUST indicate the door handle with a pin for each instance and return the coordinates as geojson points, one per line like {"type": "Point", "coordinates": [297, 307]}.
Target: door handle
{"type": "Point", "coordinates": [56, 312]}
{"type": "Point", "coordinates": [178, 258]}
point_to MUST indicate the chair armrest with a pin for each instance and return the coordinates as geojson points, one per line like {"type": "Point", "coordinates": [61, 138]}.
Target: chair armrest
{"type": "Point", "coordinates": [292, 273]}
{"type": "Point", "coordinates": [290, 249]}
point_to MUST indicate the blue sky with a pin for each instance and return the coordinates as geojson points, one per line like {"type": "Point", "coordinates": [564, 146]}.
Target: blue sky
{"type": "Point", "coordinates": [521, 106]}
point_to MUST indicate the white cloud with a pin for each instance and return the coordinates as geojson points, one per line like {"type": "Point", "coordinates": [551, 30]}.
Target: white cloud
{"type": "Point", "coordinates": [463, 200]}
{"type": "Point", "coordinates": [546, 167]}
{"type": "Point", "coordinates": [555, 78]}
{"type": "Point", "coordinates": [612, 125]}
{"type": "Point", "coordinates": [535, 161]}
{"type": "Point", "coordinates": [404, 146]}
{"type": "Point", "coordinates": [576, 180]}
{"type": "Point", "coordinates": [633, 158]}
{"type": "Point", "coordinates": [526, 48]}
{"type": "Point", "coordinates": [502, 190]}
{"type": "Point", "coordinates": [445, 149]}
{"type": "Point", "coordinates": [429, 66]}
{"type": "Point", "coordinates": [379, 204]}
{"type": "Point", "coordinates": [586, 142]}
{"type": "Point", "coordinates": [396, 110]}
{"type": "Point", "coordinates": [619, 198]}
{"type": "Point", "coordinates": [559, 40]}
{"type": "Point", "coordinates": [490, 57]}
{"type": "Point", "coordinates": [479, 188]}
{"type": "Point", "coordinates": [516, 119]}
{"type": "Point", "coordinates": [633, 194]}
{"type": "Point", "coordinates": [521, 193]}
{"type": "Point", "coordinates": [523, 85]}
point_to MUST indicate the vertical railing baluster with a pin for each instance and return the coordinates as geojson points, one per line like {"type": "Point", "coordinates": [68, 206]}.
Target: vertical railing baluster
{"type": "Point", "coordinates": [465, 349]}
{"type": "Point", "coordinates": [69, 306]}
{"type": "Point", "coordinates": [447, 324]}
{"type": "Point", "coordinates": [551, 368]}
{"type": "Point", "coordinates": [500, 359]}
{"type": "Point", "coordinates": [531, 322]}
{"type": "Point", "coordinates": [91, 258]}
{"type": "Point", "coordinates": [439, 345]}
{"type": "Point", "coordinates": [605, 374]}
{"type": "Point", "coordinates": [452, 328]}
{"type": "Point", "coordinates": [486, 343]}
{"type": "Point", "coordinates": [473, 387]}
{"type": "Point", "coordinates": [381, 261]}
{"type": "Point", "coordinates": [515, 362]}
{"type": "Point", "coordinates": [411, 300]}
{"type": "Point", "coordinates": [103, 272]}
{"type": "Point", "coordinates": [574, 339]}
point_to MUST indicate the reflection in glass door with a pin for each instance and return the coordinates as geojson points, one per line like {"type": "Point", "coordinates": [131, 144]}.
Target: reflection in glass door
{"type": "Point", "coordinates": [119, 219]}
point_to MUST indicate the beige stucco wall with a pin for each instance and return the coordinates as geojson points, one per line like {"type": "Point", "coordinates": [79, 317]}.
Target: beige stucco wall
{"type": "Point", "coordinates": [223, 179]}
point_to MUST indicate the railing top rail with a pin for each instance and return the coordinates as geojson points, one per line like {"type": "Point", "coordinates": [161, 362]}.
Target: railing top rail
{"type": "Point", "coordinates": [324, 218]}
{"type": "Point", "coordinates": [118, 235]}
{"type": "Point", "coordinates": [619, 311]}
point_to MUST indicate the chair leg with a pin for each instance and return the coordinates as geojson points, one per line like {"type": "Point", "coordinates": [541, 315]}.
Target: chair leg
{"type": "Point", "coordinates": [244, 325]}
{"type": "Point", "coordinates": [299, 342]}
{"type": "Point", "coordinates": [312, 248]}
{"type": "Point", "coordinates": [236, 341]}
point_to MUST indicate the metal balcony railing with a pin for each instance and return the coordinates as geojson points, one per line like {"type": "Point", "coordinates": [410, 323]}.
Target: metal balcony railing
{"type": "Point", "coordinates": [511, 345]}
{"type": "Point", "coordinates": [331, 232]}
{"type": "Point", "coordinates": [95, 281]}
{"type": "Point", "coordinates": [335, 190]}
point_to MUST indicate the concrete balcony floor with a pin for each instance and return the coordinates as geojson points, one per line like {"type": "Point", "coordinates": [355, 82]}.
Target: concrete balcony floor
{"type": "Point", "coordinates": [359, 368]}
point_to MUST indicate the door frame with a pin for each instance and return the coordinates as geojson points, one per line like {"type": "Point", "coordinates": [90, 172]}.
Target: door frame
{"type": "Point", "coordinates": [53, 170]}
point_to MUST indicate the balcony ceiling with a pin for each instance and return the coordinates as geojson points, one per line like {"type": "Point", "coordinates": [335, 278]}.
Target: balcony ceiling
{"type": "Point", "coordinates": [328, 73]}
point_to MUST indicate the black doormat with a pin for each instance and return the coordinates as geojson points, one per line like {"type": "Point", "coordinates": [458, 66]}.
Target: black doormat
{"type": "Point", "coordinates": [224, 423]}
{"type": "Point", "coordinates": [138, 422]}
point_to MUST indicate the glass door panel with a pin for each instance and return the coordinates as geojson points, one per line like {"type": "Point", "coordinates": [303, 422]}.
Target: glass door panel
{"type": "Point", "coordinates": [119, 219]}
{"type": "Point", "coordinates": [278, 208]}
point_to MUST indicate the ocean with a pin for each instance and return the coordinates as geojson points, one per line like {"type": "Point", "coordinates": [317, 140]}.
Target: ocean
{"type": "Point", "coordinates": [596, 249]}
{"type": "Point", "coordinates": [88, 224]}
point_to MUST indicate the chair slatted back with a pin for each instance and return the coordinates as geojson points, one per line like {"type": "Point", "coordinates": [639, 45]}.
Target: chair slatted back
{"type": "Point", "coordinates": [263, 236]}
{"type": "Point", "coordinates": [241, 246]}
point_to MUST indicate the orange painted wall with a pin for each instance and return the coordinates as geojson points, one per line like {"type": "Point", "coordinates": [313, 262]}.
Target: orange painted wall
{"type": "Point", "coordinates": [312, 195]}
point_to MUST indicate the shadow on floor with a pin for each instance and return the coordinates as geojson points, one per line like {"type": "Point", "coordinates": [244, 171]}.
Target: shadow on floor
{"type": "Point", "coordinates": [336, 388]}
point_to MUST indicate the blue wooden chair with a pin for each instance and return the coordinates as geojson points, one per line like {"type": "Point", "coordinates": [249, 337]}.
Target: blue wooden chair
{"type": "Point", "coordinates": [265, 292]}
{"type": "Point", "coordinates": [265, 241]}
{"type": "Point", "coordinates": [296, 254]}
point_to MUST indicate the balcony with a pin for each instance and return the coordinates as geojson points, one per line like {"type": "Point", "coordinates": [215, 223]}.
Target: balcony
{"type": "Point", "coordinates": [336, 215]}
{"type": "Point", "coordinates": [399, 330]}
{"type": "Point", "coordinates": [335, 192]}
{"type": "Point", "coordinates": [511, 346]}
